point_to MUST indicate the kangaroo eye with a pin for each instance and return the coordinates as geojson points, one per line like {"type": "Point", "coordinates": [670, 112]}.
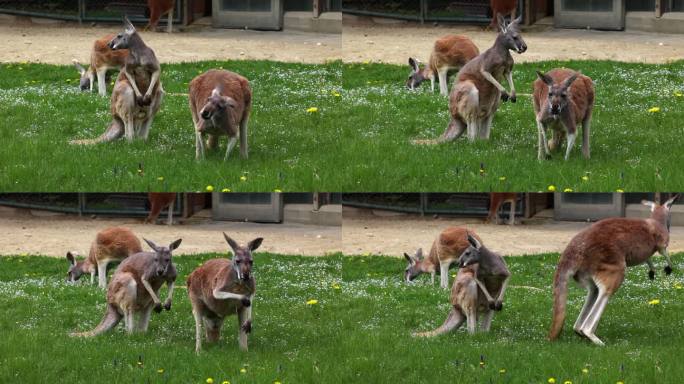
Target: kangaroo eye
{"type": "Point", "coordinates": [564, 95]}
{"type": "Point", "coordinates": [550, 94]}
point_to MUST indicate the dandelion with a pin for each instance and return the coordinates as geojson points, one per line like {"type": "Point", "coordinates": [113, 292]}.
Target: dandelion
{"type": "Point", "coordinates": [225, 382]}
{"type": "Point", "coordinates": [654, 110]}
{"type": "Point", "coordinates": [620, 382]}
{"type": "Point", "coordinates": [277, 190]}
{"type": "Point", "coordinates": [585, 370]}
{"type": "Point", "coordinates": [678, 94]}
{"type": "Point", "coordinates": [312, 110]}
{"type": "Point", "coordinates": [551, 380]}
{"type": "Point", "coordinates": [160, 370]}
{"type": "Point", "coordinates": [210, 380]}
{"type": "Point", "coordinates": [620, 190]}
{"type": "Point", "coordinates": [243, 178]}
{"type": "Point", "coordinates": [678, 286]}
{"type": "Point", "coordinates": [654, 302]}
{"type": "Point", "coordinates": [210, 188]}
{"type": "Point", "coordinates": [336, 286]}
{"type": "Point", "coordinates": [366, 62]}
{"type": "Point", "coordinates": [277, 382]}
{"type": "Point", "coordinates": [482, 363]}
{"type": "Point", "coordinates": [502, 371]}
{"type": "Point", "coordinates": [502, 178]}
{"type": "Point", "coordinates": [243, 370]}
{"type": "Point", "coordinates": [312, 302]}
{"type": "Point", "coordinates": [225, 190]}
{"type": "Point", "coordinates": [336, 94]}
{"type": "Point", "coordinates": [567, 382]}
{"type": "Point", "coordinates": [551, 188]}
{"type": "Point", "coordinates": [566, 190]}
{"type": "Point", "coordinates": [585, 178]}
{"type": "Point", "coordinates": [160, 178]}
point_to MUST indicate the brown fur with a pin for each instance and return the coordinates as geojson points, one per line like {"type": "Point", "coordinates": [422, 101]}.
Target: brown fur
{"type": "Point", "coordinates": [503, 8]}
{"type": "Point", "coordinates": [157, 9]}
{"type": "Point", "coordinates": [110, 244]}
{"type": "Point", "coordinates": [159, 201]}
{"type": "Point", "coordinates": [580, 103]}
{"type": "Point", "coordinates": [597, 257]}
{"type": "Point", "coordinates": [496, 199]}
{"type": "Point", "coordinates": [238, 95]}
{"type": "Point", "coordinates": [102, 59]}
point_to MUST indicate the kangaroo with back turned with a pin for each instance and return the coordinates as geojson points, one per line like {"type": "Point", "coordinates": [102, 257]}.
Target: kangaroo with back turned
{"type": "Point", "coordinates": [132, 110]}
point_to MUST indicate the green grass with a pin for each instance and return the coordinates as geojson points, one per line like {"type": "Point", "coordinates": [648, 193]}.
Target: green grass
{"type": "Point", "coordinates": [358, 333]}
{"type": "Point", "coordinates": [358, 141]}
{"type": "Point", "coordinates": [632, 149]}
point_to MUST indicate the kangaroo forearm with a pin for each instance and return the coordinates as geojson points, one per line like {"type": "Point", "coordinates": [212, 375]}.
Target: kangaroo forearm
{"type": "Point", "coordinates": [171, 285]}
{"type": "Point", "coordinates": [509, 77]}
{"type": "Point", "coordinates": [484, 289]}
{"type": "Point", "coordinates": [492, 80]}
{"type": "Point", "coordinates": [221, 295]}
{"type": "Point", "coordinates": [149, 289]}
{"type": "Point", "coordinates": [504, 285]}
{"type": "Point", "coordinates": [153, 82]}
{"type": "Point", "coordinates": [131, 80]}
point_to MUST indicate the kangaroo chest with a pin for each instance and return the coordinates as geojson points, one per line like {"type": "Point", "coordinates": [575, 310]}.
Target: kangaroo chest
{"type": "Point", "coordinates": [220, 126]}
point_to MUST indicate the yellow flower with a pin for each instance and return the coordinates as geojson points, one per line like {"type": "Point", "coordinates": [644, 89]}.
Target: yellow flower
{"type": "Point", "coordinates": [620, 190]}
{"type": "Point", "coordinates": [551, 380]}
{"type": "Point", "coordinates": [277, 382]}
{"type": "Point", "coordinates": [312, 302]}
{"type": "Point", "coordinates": [502, 371]}
{"type": "Point", "coordinates": [585, 178]}
{"type": "Point", "coordinates": [243, 370]}
{"type": "Point", "coordinates": [567, 190]}
{"type": "Point", "coordinates": [482, 170]}
{"type": "Point", "coordinates": [210, 188]}
{"type": "Point", "coordinates": [336, 286]}
{"type": "Point", "coordinates": [139, 363]}
{"type": "Point", "coordinates": [210, 380]}
{"type": "Point", "coordinates": [678, 286]}
{"type": "Point", "coordinates": [312, 110]}
{"type": "Point", "coordinates": [567, 382]}
{"type": "Point", "coordinates": [679, 94]}
{"type": "Point", "coordinates": [620, 382]}
{"type": "Point", "coordinates": [551, 188]}
{"type": "Point", "coordinates": [336, 94]}
{"type": "Point", "coordinates": [502, 178]}
{"type": "Point", "coordinates": [654, 302]}
{"type": "Point", "coordinates": [243, 178]}
{"type": "Point", "coordinates": [366, 61]}
{"type": "Point", "coordinates": [277, 190]}
{"type": "Point", "coordinates": [225, 382]}
{"type": "Point", "coordinates": [585, 370]}
{"type": "Point", "coordinates": [654, 110]}
{"type": "Point", "coordinates": [160, 178]}
{"type": "Point", "coordinates": [225, 190]}
{"type": "Point", "coordinates": [481, 363]}
{"type": "Point", "coordinates": [160, 370]}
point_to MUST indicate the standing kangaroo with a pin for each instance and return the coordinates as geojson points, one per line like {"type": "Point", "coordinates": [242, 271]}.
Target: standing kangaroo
{"type": "Point", "coordinates": [475, 97]}
{"type": "Point", "coordinates": [597, 258]}
{"type": "Point", "coordinates": [133, 111]}
{"type": "Point", "coordinates": [480, 269]}
{"type": "Point", "coordinates": [450, 52]}
{"type": "Point", "coordinates": [159, 201]}
{"type": "Point", "coordinates": [102, 59]}
{"type": "Point", "coordinates": [111, 244]}
{"type": "Point", "coordinates": [134, 289]}
{"type": "Point", "coordinates": [223, 287]}
{"type": "Point", "coordinates": [445, 250]}
{"type": "Point", "coordinates": [157, 8]}
{"type": "Point", "coordinates": [502, 7]}
{"type": "Point", "coordinates": [562, 99]}
{"type": "Point", "coordinates": [496, 200]}
{"type": "Point", "coordinates": [220, 102]}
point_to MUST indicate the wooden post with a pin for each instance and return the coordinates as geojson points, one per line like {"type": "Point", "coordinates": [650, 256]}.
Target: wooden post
{"type": "Point", "coordinates": [316, 201]}
{"type": "Point", "coordinates": [316, 8]}
{"type": "Point", "coordinates": [659, 8]}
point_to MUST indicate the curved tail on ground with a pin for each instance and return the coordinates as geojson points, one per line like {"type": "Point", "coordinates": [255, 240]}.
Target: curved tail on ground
{"type": "Point", "coordinates": [454, 130]}
{"type": "Point", "coordinates": [560, 295]}
{"type": "Point", "coordinates": [109, 321]}
{"type": "Point", "coordinates": [453, 321]}
{"type": "Point", "coordinates": [113, 132]}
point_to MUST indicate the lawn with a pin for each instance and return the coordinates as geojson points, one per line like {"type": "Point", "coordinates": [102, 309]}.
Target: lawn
{"type": "Point", "coordinates": [358, 140]}
{"type": "Point", "coordinates": [359, 330]}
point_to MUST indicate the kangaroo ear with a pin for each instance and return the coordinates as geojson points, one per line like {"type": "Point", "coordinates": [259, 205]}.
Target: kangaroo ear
{"type": "Point", "coordinates": [670, 201]}
{"type": "Point", "coordinates": [408, 258]}
{"type": "Point", "coordinates": [128, 26]}
{"type": "Point", "coordinates": [545, 78]}
{"type": "Point", "coordinates": [254, 244]}
{"type": "Point", "coordinates": [79, 67]}
{"type": "Point", "coordinates": [230, 101]}
{"type": "Point", "coordinates": [151, 244]}
{"type": "Point", "coordinates": [649, 204]}
{"type": "Point", "coordinates": [517, 21]}
{"type": "Point", "coordinates": [419, 254]}
{"type": "Point", "coordinates": [231, 242]}
{"type": "Point", "coordinates": [473, 241]}
{"type": "Point", "coordinates": [175, 244]}
{"type": "Point", "coordinates": [414, 64]}
{"type": "Point", "coordinates": [570, 80]}
{"type": "Point", "coordinates": [502, 23]}
{"type": "Point", "coordinates": [216, 92]}
{"type": "Point", "coordinates": [71, 259]}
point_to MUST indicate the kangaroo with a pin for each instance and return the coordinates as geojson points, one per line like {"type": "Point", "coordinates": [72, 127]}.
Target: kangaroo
{"type": "Point", "coordinates": [597, 258]}
{"type": "Point", "coordinates": [102, 59]}
{"type": "Point", "coordinates": [111, 244]}
{"type": "Point", "coordinates": [134, 288]}
{"type": "Point", "coordinates": [474, 98]}
{"type": "Point", "coordinates": [222, 287]}
{"type": "Point", "coordinates": [159, 201]}
{"type": "Point", "coordinates": [156, 9]}
{"type": "Point", "coordinates": [562, 99]}
{"type": "Point", "coordinates": [445, 250]}
{"type": "Point", "coordinates": [496, 200]}
{"type": "Point", "coordinates": [132, 111]}
{"type": "Point", "coordinates": [479, 268]}
{"type": "Point", "coordinates": [220, 101]}
{"type": "Point", "coordinates": [450, 52]}
{"type": "Point", "coordinates": [502, 7]}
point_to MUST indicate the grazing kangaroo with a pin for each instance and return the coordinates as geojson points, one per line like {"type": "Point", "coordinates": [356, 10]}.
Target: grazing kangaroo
{"type": "Point", "coordinates": [111, 244]}
{"type": "Point", "coordinates": [223, 287]}
{"type": "Point", "coordinates": [102, 59]}
{"type": "Point", "coordinates": [159, 201]}
{"type": "Point", "coordinates": [445, 250]}
{"type": "Point", "coordinates": [496, 200]}
{"type": "Point", "coordinates": [597, 258]}
{"type": "Point", "coordinates": [133, 111]}
{"type": "Point", "coordinates": [220, 102]}
{"type": "Point", "coordinates": [502, 7]}
{"type": "Point", "coordinates": [450, 52]}
{"type": "Point", "coordinates": [134, 289]}
{"type": "Point", "coordinates": [480, 269]}
{"type": "Point", "coordinates": [474, 98]}
{"type": "Point", "coordinates": [563, 98]}
{"type": "Point", "coordinates": [157, 8]}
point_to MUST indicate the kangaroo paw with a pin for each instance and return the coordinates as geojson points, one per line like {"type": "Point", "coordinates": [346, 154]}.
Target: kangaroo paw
{"type": "Point", "coordinates": [158, 307]}
{"type": "Point", "coordinates": [246, 302]}
{"type": "Point", "coordinates": [247, 326]}
{"type": "Point", "coordinates": [504, 96]}
{"type": "Point", "coordinates": [498, 305]}
{"type": "Point", "coordinates": [492, 305]}
{"type": "Point", "coordinates": [651, 275]}
{"type": "Point", "coordinates": [668, 270]}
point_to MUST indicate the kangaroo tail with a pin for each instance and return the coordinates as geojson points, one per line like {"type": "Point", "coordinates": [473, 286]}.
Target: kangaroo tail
{"type": "Point", "coordinates": [453, 131]}
{"type": "Point", "coordinates": [560, 295]}
{"type": "Point", "coordinates": [114, 131]}
{"type": "Point", "coordinates": [453, 321]}
{"type": "Point", "coordinates": [109, 321]}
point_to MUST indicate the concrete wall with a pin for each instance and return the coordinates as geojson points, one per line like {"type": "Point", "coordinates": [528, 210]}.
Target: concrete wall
{"type": "Point", "coordinates": [328, 22]}
{"type": "Point", "coordinates": [671, 22]}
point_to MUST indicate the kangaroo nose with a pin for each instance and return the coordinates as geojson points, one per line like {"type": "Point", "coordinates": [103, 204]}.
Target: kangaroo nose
{"type": "Point", "coordinates": [555, 109]}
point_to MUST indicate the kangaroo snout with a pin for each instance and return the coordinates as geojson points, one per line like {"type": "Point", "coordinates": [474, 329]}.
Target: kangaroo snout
{"type": "Point", "coordinates": [555, 109]}
{"type": "Point", "coordinates": [522, 48]}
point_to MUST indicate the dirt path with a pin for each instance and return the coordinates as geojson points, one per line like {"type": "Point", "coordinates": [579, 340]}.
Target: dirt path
{"type": "Point", "coordinates": [60, 43]}
{"type": "Point", "coordinates": [54, 236]}
{"type": "Point", "coordinates": [393, 236]}
{"type": "Point", "coordinates": [394, 44]}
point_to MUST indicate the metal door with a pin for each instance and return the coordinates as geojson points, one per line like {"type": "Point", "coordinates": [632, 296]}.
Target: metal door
{"type": "Point", "coordinates": [588, 206]}
{"type": "Point", "coordinates": [258, 207]}
{"type": "Point", "coordinates": [595, 14]}
{"type": "Point", "coordinates": [251, 14]}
